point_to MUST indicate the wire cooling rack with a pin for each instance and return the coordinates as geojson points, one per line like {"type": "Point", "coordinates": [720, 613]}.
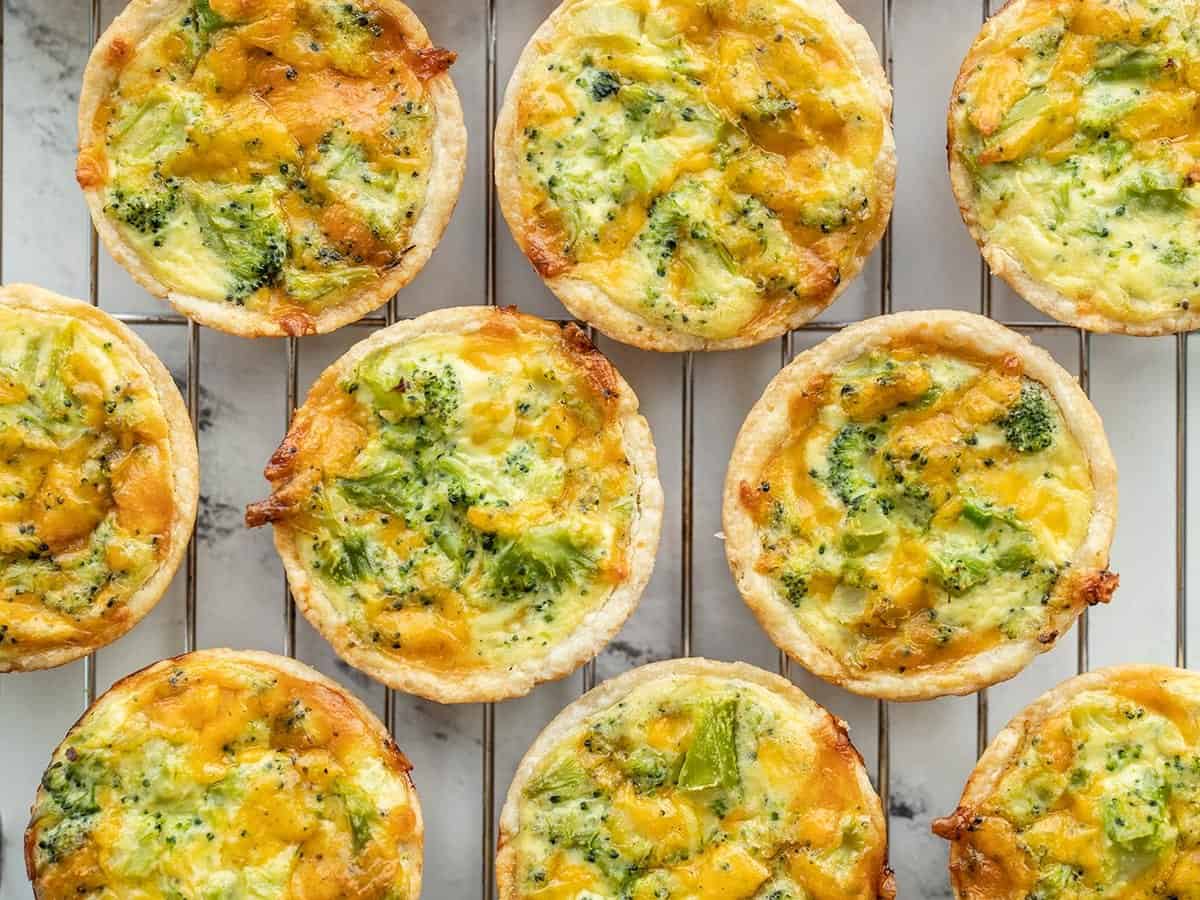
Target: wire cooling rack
{"type": "Point", "coordinates": [687, 423]}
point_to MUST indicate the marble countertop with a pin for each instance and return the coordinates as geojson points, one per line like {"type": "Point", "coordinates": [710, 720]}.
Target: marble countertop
{"type": "Point", "coordinates": [240, 589]}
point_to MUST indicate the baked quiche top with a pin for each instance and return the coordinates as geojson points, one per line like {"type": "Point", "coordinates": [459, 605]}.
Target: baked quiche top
{"type": "Point", "coordinates": [1094, 791]}
{"type": "Point", "coordinates": [223, 774]}
{"type": "Point", "coordinates": [697, 175]}
{"type": "Point", "coordinates": [921, 504]}
{"type": "Point", "coordinates": [467, 504]}
{"type": "Point", "coordinates": [693, 779]}
{"type": "Point", "coordinates": [1075, 153]}
{"type": "Point", "coordinates": [98, 479]}
{"type": "Point", "coordinates": [270, 166]}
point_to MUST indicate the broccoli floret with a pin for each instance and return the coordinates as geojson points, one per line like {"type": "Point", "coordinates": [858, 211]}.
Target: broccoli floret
{"type": "Point", "coordinates": [795, 587]}
{"type": "Point", "coordinates": [772, 104]}
{"type": "Point", "coordinates": [566, 778]}
{"type": "Point", "coordinates": [545, 557]}
{"type": "Point", "coordinates": [1137, 817]}
{"type": "Point", "coordinates": [1156, 191]}
{"type": "Point", "coordinates": [604, 84]}
{"type": "Point", "coordinates": [1134, 65]}
{"type": "Point", "coordinates": [71, 788]}
{"type": "Point", "coordinates": [351, 560]}
{"type": "Point", "coordinates": [958, 573]}
{"type": "Point", "coordinates": [147, 212]}
{"type": "Point", "coordinates": [204, 19]}
{"type": "Point", "coordinates": [243, 226]}
{"type": "Point", "coordinates": [1028, 425]}
{"type": "Point", "coordinates": [352, 18]}
{"type": "Point", "coordinates": [647, 769]}
{"type": "Point", "coordinates": [846, 475]}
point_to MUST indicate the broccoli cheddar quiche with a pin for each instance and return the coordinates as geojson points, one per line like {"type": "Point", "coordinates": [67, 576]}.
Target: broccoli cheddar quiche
{"type": "Point", "coordinates": [688, 174]}
{"type": "Point", "coordinates": [1075, 156]}
{"type": "Point", "coordinates": [270, 167]}
{"type": "Point", "coordinates": [467, 504]}
{"type": "Point", "coordinates": [98, 479]}
{"type": "Point", "coordinates": [1092, 792]}
{"type": "Point", "coordinates": [693, 780]}
{"type": "Point", "coordinates": [921, 504]}
{"type": "Point", "coordinates": [226, 775]}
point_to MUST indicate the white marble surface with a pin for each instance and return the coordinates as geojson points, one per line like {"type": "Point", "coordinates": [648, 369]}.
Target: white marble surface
{"type": "Point", "coordinates": [242, 416]}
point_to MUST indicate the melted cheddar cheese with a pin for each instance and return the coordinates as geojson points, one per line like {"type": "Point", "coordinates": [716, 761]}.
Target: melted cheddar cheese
{"type": "Point", "coordinates": [86, 484]}
{"type": "Point", "coordinates": [924, 508]}
{"type": "Point", "coordinates": [273, 154]}
{"type": "Point", "coordinates": [699, 788]}
{"type": "Point", "coordinates": [1100, 800]}
{"type": "Point", "coordinates": [1076, 121]}
{"type": "Point", "coordinates": [463, 498]}
{"type": "Point", "coordinates": [221, 776]}
{"type": "Point", "coordinates": [711, 167]}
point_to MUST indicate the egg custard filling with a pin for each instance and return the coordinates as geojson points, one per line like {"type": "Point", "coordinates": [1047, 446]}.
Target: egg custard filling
{"type": "Point", "coordinates": [710, 167]}
{"type": "Point", "coordinates": [86, 483]}
{"type": "Point", "coordinates": [271, 154]}
{"type": "Point", "coordinates": [1076, 124]}
{"type": "Point", "coordinates": [217, 776]}
{"type": "Point", "coordinates": [463, 500]}
{"type": "Point", "coordinates": [923, 509]}
{"type": "Point", "coordinates": [1098, 797]}
{"type": "Point", "coordinates": [698, 787]}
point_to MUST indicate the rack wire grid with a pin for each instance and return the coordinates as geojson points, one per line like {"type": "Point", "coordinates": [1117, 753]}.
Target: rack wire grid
{"type": "Point", "coordinates": [921, 18]}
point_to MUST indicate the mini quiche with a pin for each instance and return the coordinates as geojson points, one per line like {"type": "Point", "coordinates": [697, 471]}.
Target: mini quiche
{"type": "Point", "coordinates": [691, 175]}
{"type": "Point", "coordinates": [1093, 791]}
{"type": "Point", "coordinates": [226, 774]}
{"type": "Point", "coordinates": [693, 780]}
{"type": "Point", "coordinates": [1075, 157]}
{"type": "Point", "coordinates": [920, 505]}
{"type": "Point", "coordinates": [467, 504]}
{"type": "Point", "coordinates": [270, 167]}
{"type": "Point", "coordinates": [99, 479]}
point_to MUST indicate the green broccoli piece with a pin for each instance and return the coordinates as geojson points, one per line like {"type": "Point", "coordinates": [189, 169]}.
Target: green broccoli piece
{"type": "Point", "coordinates": [309, 286]}
{"type": "Point", "coordinates": [1156, 191]}
{"type": "Point", "coordinates": [146, 212]}
{"type": "Point", "coordinates": [1132, 66]}
{"type": "Point", "coordinates": [244, 228]}
{"type": "Point", "coordinates": [204, 20]}
{"type": "Point", "coordinates": [795, 587]}
{"type": "Point", "coordinates": [711, 761]}
{"type": "Point", "coordinates": [566, 778]}
{"type": "Point", "coordinates": [958, 573]}
{"type": "Point", "coordinates": [361, 814]}
{"type": "Point", "coordinates": [647, 769]}
{"type": "Point", "coordinates": [548, 556]}
{"type": "Point", "coordinates": [402, 390]}
{"type": "Point", "coordinates": [379, 197]}
{"type": "Point", "coordinates": [355, 20]}
{"type": "Point", "coordinates": [1028, 425]}
{"type": "Point", "coordinates": [1137, 818]}
{"type": "Point", "coordinates": [847, 474]}
{"type": "Point", "coordinates": [604, 84]}
{"type": "Point", "coordinates": [71, 788]}
{"type": "Point", "coordinates": [772, 104]}
{"type": "Point", "coordinates": [351, 560]}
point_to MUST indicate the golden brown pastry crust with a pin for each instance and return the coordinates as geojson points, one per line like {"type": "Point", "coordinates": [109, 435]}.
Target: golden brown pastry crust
{"type": "Point", "coordinates": [597, 629]}
{"type": "Point", "coordinates": [449, 160]}
{"type": "Point", "coordinates": [824, 727]}
{"type": "Point", "coordinates": [1000, 261]}
{"type": "Point", "coordinates": [768, 425]}
{"type": "Point", "coordinates": [185, 468]}
{"type": "Point", "coordinates": [1002, 754]}
{"type": "Point", "coordinates": [590, 302]}
{"type": "Point", "coordinates": [354, 708]}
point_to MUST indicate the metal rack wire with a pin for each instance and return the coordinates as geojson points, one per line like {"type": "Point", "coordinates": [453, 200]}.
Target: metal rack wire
{"type": "Point", "coordinates": [688, 430]}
